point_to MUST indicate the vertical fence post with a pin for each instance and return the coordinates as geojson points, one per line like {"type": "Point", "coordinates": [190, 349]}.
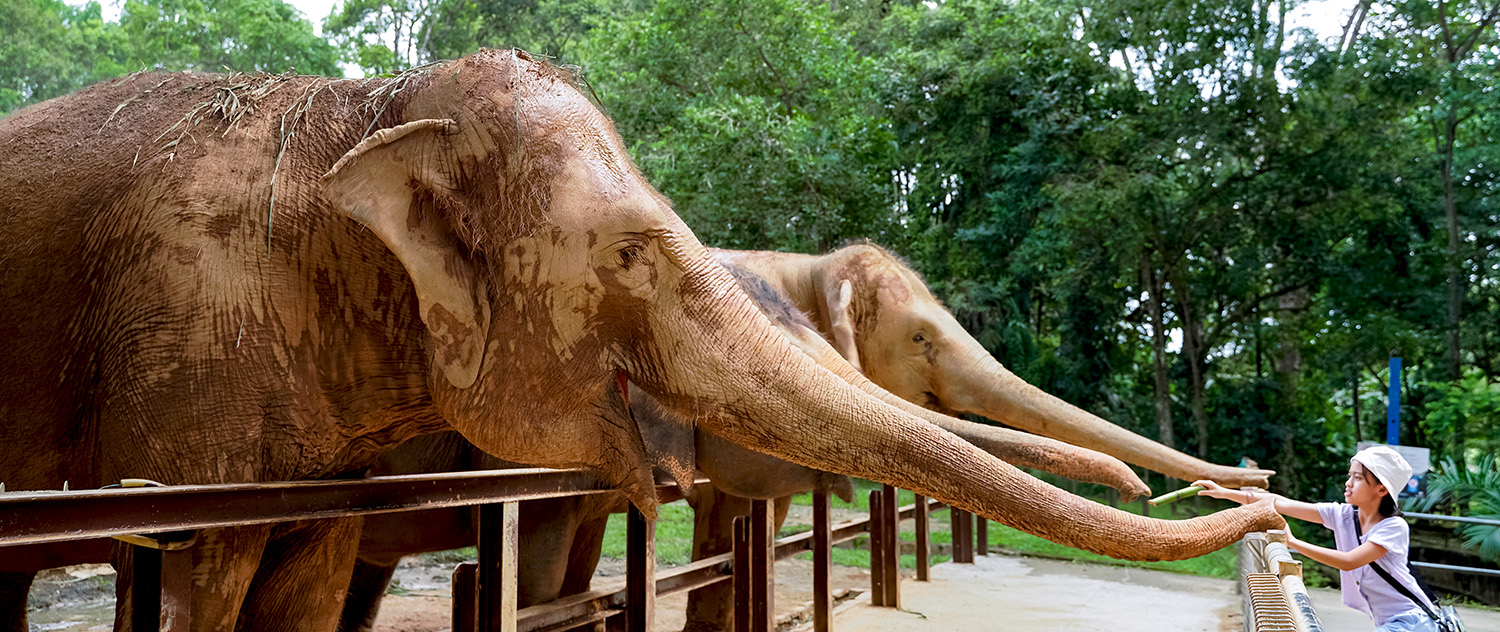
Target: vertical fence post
{"type": "Point", "coordinates": [891, 532]}
{"type": "Point", "coordinates": [822, 562]}
{"type": "Point", "coordinates": [981, 535]}
{"type": "Point", "coordinates": [763, 566]}
{"type": "Point", "coordinates": [963, 536]}
{"type": "Point", "coordinates": [923, 538]}
{"type": "Point", "coordinates": [499, 535]}
{"type": "Point", "coordinates": [877, 549]}
{"type": "Point", "coordinates": [742, 573]}
{"type": "Point", "coordinates": [145, 589]}
{"type": "Point", "coordinates": [465, 614]}
{"type": "Point", "coordinates": [640, 574]}
{"type": "Point", "coordinates": [177, 587]}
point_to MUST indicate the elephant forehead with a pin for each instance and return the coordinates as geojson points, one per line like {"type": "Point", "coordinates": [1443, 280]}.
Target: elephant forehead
{"type": "Point", "coordinates": [550, 107]}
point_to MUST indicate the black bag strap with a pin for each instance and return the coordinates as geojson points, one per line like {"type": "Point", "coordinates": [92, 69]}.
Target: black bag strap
{"type": "Point", "coordinates": [1358, 533]}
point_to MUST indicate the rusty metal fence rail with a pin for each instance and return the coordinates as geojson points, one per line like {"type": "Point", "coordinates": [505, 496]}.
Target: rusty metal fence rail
{"type": "Point", "coordinates": [161, 522]}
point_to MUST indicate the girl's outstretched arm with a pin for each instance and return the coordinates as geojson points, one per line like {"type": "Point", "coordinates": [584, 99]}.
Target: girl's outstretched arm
{"type": "Point", "coordinates": [1342, 560]}
{"type": "Point", "coordinates": [1284, 506]}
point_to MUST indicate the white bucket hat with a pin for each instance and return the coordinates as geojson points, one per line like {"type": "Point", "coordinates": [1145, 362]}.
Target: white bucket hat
{"type": "Point", "coordinates": [1387, 465]}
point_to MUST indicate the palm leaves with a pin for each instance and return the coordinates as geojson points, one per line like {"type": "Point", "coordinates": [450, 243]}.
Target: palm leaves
{"type": "Point", "coordinates": [1475, 492]}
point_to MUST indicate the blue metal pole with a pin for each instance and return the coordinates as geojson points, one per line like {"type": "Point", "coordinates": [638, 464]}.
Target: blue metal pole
{"type": "Point", "coordinates": [1393, 406]}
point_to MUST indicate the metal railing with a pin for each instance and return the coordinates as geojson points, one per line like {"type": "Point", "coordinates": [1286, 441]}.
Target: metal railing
{"type": "Point", "coordinates": [162, 523]}
{"type": "Point", "coordinates": [1473, 570]}
{"type": "Point", "coordinates": [1275, 600]}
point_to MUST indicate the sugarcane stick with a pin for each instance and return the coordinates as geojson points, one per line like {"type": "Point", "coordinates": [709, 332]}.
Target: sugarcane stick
{"type": "Point", "coordinates": [1177, 495]}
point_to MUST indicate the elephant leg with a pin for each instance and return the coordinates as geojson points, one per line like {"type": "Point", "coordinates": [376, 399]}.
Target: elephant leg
{"type": "Point", "coordinates": [780, 506]}
{"type": "Point", "coordinates": [547, 530]}
{"type": "Point", "coordinates": [14, 588]}
{"type": "Point", "coordinates": [303, 577]}
{"type": "Point", "coordinates": [366, 591]}
{"type": "Point", "coordinates": [224, 563]}
{"type": "Point", "coordinates": [711, 608]}
{"type": "Point", "coordinates": [583, 559]}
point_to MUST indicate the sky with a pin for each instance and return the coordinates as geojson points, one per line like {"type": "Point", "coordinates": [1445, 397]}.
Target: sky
{"type": "Point", "coordinates": [315, 10]}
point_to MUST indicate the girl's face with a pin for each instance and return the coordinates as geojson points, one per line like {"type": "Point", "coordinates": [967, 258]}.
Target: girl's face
{"type": "Point", "coordinates": [1362, 488]}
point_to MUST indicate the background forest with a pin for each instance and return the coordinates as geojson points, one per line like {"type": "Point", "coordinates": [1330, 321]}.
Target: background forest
{"type": "Point", "coordinates": [1181, 215]}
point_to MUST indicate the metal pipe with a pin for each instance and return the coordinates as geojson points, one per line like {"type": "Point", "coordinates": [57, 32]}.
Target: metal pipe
{"type": "Point", "coordinates": [1465, 519]}
{"type": "Point", "coordinates": [38, 517]}
{"type": "Point", "coordinates": [1459, 569]}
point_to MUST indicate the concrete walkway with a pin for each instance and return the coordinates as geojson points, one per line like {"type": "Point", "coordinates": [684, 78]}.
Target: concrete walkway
{"type": "Point", "coordinates": [1011, 593]}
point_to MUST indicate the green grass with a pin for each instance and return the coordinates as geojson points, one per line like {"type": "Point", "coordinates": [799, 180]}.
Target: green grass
{"type": "Point", "coordinates": [674, 535]}
{"type": "Point", "coordinates": [862, 489]}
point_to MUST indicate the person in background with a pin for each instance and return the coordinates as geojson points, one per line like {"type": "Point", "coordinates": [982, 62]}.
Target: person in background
{"type": "Point", "coordinates": [1367, 530]}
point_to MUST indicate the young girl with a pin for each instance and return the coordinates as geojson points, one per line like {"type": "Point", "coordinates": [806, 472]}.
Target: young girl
{"type": "Point", "coordinates": [1381, 537]}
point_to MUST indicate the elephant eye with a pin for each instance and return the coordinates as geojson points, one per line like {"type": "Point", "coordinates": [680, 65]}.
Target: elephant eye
{"type": "Point", "coordinates": [630, 255]}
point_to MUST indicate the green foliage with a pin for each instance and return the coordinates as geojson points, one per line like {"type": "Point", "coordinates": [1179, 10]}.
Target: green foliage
{"type": "Point", "coordinates": [48, 48]}
{"type": "Point", "coordinates": [756, 118]}
{"type": "Point", "coordinates": [233, 35]}
{"type": "Point", "coordinates": [555, 28]}
{"type": "Point", "coordinates": [1474, 492]}
{"type": "Point", "coordinates": [384, 36]}
{"type": "Point", "coordinates": [1463, 417]}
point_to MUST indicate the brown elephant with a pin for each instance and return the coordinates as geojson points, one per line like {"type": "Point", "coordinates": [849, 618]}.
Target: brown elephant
{"type": "Point", "coordinates": [880, 315]}
{"type": "Point", "coordinates": [228, 279]}
{"type": "Point", "coordinates": [561, 540]}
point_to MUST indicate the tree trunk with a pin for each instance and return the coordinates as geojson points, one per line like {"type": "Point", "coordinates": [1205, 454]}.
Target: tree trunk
{"type": "Point", "coordinates": [1455, 273]}
{"type": "Point", "coordinates": [1156, 304]}
{"type": "Point", "coordinates": [1358, 434]}
{"type": "Point", "coordinates": [1287, 367]}
{"type": "Point", "coordinates": [1193, 349]}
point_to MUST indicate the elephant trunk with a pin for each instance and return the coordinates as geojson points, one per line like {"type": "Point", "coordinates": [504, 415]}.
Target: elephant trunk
{"type": "Point", "coordinates": [770, 397]}
{"type": "Point", "coordinates": [987, 388]}
{"type": "Point", "coordinates": [1016, 448]}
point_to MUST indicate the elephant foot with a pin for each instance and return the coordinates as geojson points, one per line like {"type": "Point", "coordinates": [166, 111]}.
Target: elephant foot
{"type": "Point", "coordinates": [706, 626]}
{"type": "Point", "coordinates": [14, 588]}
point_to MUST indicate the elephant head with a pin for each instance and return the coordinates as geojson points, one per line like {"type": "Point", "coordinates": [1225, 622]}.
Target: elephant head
{"type": "Point", "coordinates": [880, 315]}
{"type": "Point", "coordinates": [550, 275]}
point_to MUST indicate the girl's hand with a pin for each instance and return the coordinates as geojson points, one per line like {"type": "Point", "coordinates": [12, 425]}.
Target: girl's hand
{"type": "Point", "coordinates": [1214, 490]}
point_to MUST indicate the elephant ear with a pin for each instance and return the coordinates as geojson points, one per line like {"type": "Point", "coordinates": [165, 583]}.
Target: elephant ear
{"type": "Point", "coordinates": [377, 184]}
{"type": "Point", "coordinates": [837, 302]}
{"type": "Point", "coordinates": [670, 441]}
{"type": "Point", "coordinates": [836, 484]}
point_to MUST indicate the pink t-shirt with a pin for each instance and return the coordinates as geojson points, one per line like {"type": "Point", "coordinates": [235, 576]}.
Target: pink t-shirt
{"type": "Point", "coordinates": [1364, 589]}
